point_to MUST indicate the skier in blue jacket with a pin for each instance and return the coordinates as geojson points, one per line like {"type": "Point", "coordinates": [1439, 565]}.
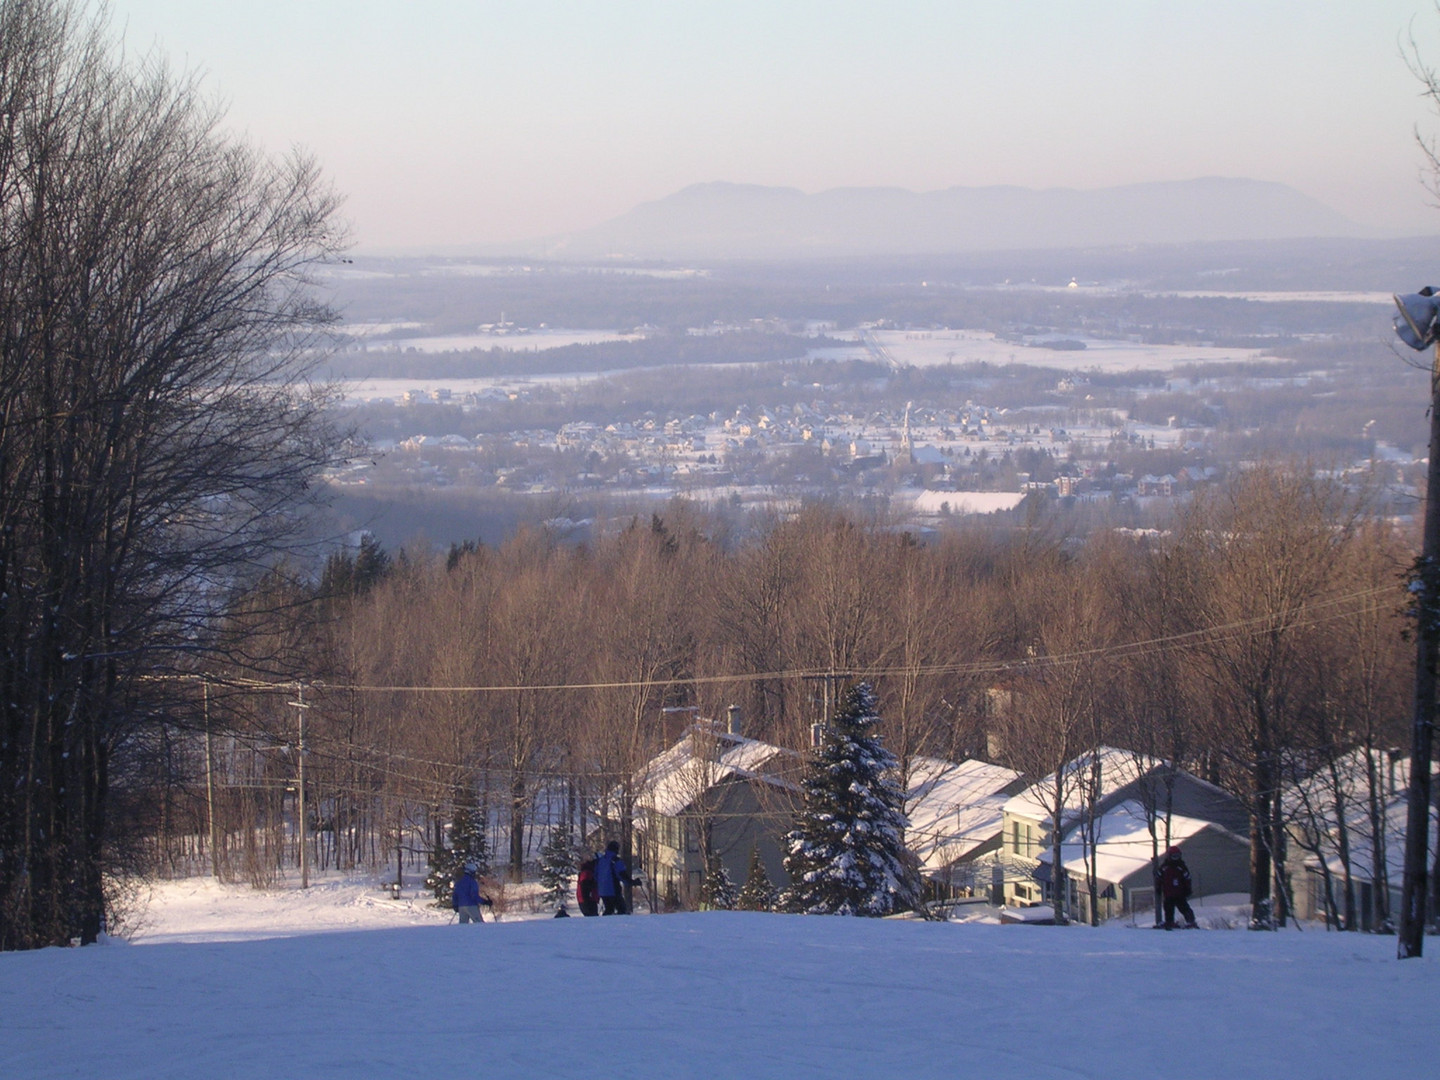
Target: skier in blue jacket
{"type": "Point", "coordinates": [611, 877]}
{"type": "Point", "coordinates": [466, 898]}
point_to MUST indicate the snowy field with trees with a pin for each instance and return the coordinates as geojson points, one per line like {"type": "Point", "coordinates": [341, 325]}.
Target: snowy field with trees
{"type": "Point", "coordinates": [342, 981]}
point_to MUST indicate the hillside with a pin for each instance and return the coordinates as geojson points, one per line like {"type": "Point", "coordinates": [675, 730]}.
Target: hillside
{"type": "Point", "coordinates": [700, 995]}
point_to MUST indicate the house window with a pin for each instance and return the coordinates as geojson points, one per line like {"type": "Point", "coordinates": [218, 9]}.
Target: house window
{"type": "Point", "coordinates": [1015, 837]}
{"type": "Point", "coordinates": [692, 838]}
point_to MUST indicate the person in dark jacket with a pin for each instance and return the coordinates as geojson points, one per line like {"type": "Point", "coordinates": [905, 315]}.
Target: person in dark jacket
{"type": "Point", "coordinates": [585, 891]}
{"type": "Point", "coordinates": [611, 877]}
{"type": "Point", "coordinates": [466, 898]}
{"type": "Point", "coordinates": [1175, 889]}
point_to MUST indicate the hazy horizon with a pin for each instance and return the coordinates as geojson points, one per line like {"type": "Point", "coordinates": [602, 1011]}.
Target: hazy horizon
{"type": "Point", "coordinates": [474, 124]}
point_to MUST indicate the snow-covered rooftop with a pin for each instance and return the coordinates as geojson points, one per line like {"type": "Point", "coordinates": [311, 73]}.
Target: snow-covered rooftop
{"type": "Point", "coordinates": [1123, 845]}
{"type": "Point", "coordinates": [954, 809]}
{"type": "Point", "coordinates": [704, 757]}
{"type": "Point", "coordinates": [1361, 844]}
{"type": "Point", "coordinates": [1116, 769]}
{"type": "Point", "coordinates": [1314, 797]}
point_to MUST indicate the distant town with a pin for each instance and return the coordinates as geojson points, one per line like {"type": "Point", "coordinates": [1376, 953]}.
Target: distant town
{"type": "Point", "coordinates": [1105, 402]}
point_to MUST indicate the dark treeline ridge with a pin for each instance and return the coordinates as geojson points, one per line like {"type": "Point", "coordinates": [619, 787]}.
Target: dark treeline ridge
{"type": "Point", "coordinates": [1258, 641]}
{"type": "Point", "coordinates": [909, 295]}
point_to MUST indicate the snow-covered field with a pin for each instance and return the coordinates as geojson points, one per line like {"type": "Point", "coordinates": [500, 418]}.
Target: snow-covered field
{"type": "Point", "coordinates": [384, 389]}
{"type": "Point", "coordinates": [341, 981]}
{"type": "Point", "coordinates": [931, 347]}
{"type": "Point", "coordinates": [530, 342]}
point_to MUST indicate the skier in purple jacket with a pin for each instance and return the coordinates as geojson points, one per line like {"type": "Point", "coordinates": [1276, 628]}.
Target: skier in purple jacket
{"type": "Point", "coordinates": [466, 898]}
{"type": "Point", "coordinates": [611, 877]}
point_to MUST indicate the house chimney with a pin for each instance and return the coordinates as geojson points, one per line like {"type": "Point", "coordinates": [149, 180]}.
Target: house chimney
{"type": "Point", "coordinates": [732, 717]}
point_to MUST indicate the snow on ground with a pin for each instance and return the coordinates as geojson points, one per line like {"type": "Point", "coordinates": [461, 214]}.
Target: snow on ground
{"type": "Point", "coordinates": [961, 502]}
{"type": "Point", "coordinates": [369, 987]}
{"type": "Point", "coordinates": [930, 347]}
{"type": "Point", "coordinates": [1274, 296]}
{"type": "Point", "coordinates": [202, 910]}
{"type": "Point", "coordinates": [385, 389]}
{"type": "Point", "coordinates": [528, 341]}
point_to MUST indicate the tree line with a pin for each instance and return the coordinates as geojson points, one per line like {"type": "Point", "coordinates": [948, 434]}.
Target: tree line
{"type": "Point", "coordinates": [1259, 643]}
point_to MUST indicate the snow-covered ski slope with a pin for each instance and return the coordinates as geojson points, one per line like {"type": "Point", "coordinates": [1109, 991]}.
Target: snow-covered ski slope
{"type": "Point", "coordinates": [367, 987]}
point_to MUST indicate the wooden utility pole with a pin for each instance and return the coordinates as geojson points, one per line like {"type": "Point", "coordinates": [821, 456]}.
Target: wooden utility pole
{"type": "Point", "coordinates": [210, 783]}
{"type": "Point", "coordinates": [1415, 884]}
{"type": "Point", "coordinates": [300, 706]}
{"type": "Point", "coordinates": [830, 683]}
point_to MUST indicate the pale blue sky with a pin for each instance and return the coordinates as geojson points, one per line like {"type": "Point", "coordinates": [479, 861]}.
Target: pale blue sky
{"type": "Point", "coordinates": [451, 122]}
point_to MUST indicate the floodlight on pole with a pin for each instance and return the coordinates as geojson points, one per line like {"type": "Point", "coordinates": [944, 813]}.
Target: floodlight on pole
{"type": "Point", "coordinates": [1418, 323]}
{"type": "Point", "coordinates": [1418, 326]}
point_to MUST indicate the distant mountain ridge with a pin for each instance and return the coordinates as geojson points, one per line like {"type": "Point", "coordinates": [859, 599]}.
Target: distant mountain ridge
{"type": "Point", "coordinates": [745, 221]}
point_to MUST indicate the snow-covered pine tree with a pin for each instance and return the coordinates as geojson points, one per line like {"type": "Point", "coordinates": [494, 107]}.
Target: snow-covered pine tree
{"type": "Point", "coordinates": [557, 864]}
{"type": "Point", "coordinates": [757, 894]}
{"type": "Point", "coordinates": [717, 891]}
{"type": "Point", "coordinates": [847, 851]}
{"type": "Point", "coordinates": [467, 844]}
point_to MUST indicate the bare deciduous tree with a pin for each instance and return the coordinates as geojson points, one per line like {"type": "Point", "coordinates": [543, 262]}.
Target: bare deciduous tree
{"type": "Point", "coordinates": [156, 433]}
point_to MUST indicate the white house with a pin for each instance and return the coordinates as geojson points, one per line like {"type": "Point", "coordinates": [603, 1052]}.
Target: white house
{"type": "Point", "coordinates": [1092, 785]}
{"type": "Point", "coordinates": [1121, 847]}
{"type": "Point", "coordinates": [1373, 858]}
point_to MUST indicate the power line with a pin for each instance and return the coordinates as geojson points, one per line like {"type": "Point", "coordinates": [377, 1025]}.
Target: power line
{"type": "Point", "coordinates": [1315, 613]}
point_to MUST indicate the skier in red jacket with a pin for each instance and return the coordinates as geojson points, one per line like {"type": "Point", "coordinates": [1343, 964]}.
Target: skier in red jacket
{"type": "Point", "coordinates": [587, 893]}
{"type": "Point", "coordinates": [1175, 889]}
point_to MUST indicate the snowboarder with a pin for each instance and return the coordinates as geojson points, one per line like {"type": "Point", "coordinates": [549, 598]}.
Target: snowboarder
{"type": "Point", "coordinates": [466, 899]}
{"type": "Point", "coordinates": [1175, 889]}
{"type": "Point", "coordinates": [585, 893]}
{"type": "Point", "coordinates": [611, 877]}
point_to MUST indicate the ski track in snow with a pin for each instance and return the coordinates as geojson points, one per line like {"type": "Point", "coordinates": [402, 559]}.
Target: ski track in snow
{"type": "Point", "coordinates": [341, 981]}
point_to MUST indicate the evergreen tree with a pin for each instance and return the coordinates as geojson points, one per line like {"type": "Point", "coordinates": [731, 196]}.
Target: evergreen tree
{"type": "Point", "coordinates": [717, 892]}
{"type": "Point", "coordinates": [757, 894]}
{"type": "Point", "coordinates": [847, 851]}
{"type": "Point", "coordinates": [557, 863]}
{"type": "Point", "coordinates": [346, 574]}
{"type": "Point", "coordinates": [467, 844]}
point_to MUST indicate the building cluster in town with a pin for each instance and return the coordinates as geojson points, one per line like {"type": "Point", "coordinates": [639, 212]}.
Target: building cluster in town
{"type": "Point", "coordinates": [764, 452]}
{"type": "Point", "coordinates": [983, 834]}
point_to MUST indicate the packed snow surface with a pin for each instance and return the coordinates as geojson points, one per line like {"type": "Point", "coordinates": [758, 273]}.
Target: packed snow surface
{"type": "Point", "coordinates": [342, 981]}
